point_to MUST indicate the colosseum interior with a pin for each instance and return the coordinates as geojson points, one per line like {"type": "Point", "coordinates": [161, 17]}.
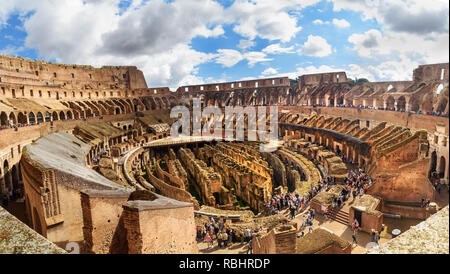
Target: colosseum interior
{"type": "Point", "coordinates": [88, 163]}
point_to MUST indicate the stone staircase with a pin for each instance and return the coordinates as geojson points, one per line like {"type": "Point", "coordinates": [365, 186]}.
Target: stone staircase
{"type": "Point", "coordinates": [339, 215]}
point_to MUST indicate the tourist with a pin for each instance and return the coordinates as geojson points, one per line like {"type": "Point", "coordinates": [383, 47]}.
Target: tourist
{"type": "Point", "coordinates": [292, 210]}
{"type": "Point", "coordinates": [219, 239]}
{"type": "Point", "coordinates": [354, 237]}
{"type": "Point", "coordinates": [377, 237]}
{"type": "Point", "coordinates": [208, 240]}
{"type": "Point", "coordinates": [372, 235]}
{"type": "Point", "coordinates": [225, 239]}
{"type": "Point", "coordinates": [250, 247]}
{"type": "Point", "coordinates": [355, 225]}
{"type": "Point", "coordinates": [247, 234]}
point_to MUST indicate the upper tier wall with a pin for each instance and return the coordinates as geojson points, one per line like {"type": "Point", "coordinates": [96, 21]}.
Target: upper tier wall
{"type": "Point", "coordinates": [39, 73]}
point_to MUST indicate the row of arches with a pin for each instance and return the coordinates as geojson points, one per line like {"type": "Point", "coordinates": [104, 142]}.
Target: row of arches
{"type": "Point", "coordinates": [438, 166]}
{"type": "Point", "coordinates": [86, 109]}
{"type": "Point", "coordinates": [32, 118]}
{"type": "Point", "coordinates": [10, 177]}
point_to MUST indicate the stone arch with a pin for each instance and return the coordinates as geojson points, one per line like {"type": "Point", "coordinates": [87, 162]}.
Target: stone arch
{"type": "Point", "coordinates": [39, 118]}
{"type": "Point", "coordinates": [442, 166]}
{"type": "Point", "coordinates": [401, 103]}
{"type": "Point", "coordinates": [12, 117]}
{"type": "Point", "coordinates": [47, 116]}
{"type": "Point", "coordinates": [7, 174]}
{"type": "Point", "coordinates": [442, 105]}
{"type": "Point", "coordinates": [22, 119]}
{"type": "Point", "coordinates": [414, 104]}
{"type": "Point", "coordinates": [32, 118]}
{"type": "Point", "coordinates": [15, 177]}
{"type": "Point", "coordinates": [55, 116]}
{"type": "Point", "coordinates": [433, 163]}
{"type": "Point", "coordinates": [427, 103]}
{"type": "Point", "coordinates": [69, 115]}
{"type": "Point", "coordinates": [4, 119]}
{"type": "Point", "coordinates": [390, 103]}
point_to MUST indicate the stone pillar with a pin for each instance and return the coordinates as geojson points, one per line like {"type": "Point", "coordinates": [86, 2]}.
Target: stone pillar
{"type": "Point", "coordinates": [2, 185]}
{"type": "Point", "coordinates": [407, 107]}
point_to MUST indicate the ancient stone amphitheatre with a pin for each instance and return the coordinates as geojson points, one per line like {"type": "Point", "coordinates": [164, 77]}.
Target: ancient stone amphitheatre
{"type": "Point", "coordinates": [89, 164]}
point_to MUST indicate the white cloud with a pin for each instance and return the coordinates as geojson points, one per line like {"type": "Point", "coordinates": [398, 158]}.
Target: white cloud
{"type": "Point", "coordinates": [261, 18]}
{"type": "Point", "coordinates": [96, 33]}
{"type": "Point", "coordinates": [316, 46]}
{"type": "Point", "coordinates": [341, 23]}
{"type": "Point", "coordinates": [228, 57]}
{"type": "Point", "coordinates": [374, 44]}
{"type": "Point", "coordinates": [268, 72]}
{"type": "Point", "coordinates": [320, 22]}
{"type": "Point", "coordinates": [246, 44]}
{"type": "Point", "coordinates": [277, 49]}
{"type": "Point", "coordinates": [254, 57]}
{"type": "Point", "coordinates": [412, 16]}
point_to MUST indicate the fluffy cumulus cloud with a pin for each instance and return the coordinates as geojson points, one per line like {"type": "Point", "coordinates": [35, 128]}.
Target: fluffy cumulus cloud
{"type": "Point", "coordinates": [155, 35]}
{"type": "Point", "coordinates": [316, 46]}
{"type": "Point", "coordinates": [413, 28]}
{"type": "Point", "coordinates": [264, 19]}
{"type": "Point", "coordinates": [246, 44]}
{"type": "Point", "coordinates": [230, 57]}
{"type": "Point", "coordinates": [278, 49]}
{"type": "Point", "coordinates": [341, 23]}
{"type": "Point", "coordinates": [376, 45]}
{"type": "Point", "coordinates": [410, 16]}
{"type": "Point", "coordinates": [320, 22]}
{"type": "Point", "coordinates": [269, 72]}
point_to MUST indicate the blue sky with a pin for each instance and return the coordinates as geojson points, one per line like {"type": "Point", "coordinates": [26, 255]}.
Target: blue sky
{"type": "Point", "coordinates": [201, 41]}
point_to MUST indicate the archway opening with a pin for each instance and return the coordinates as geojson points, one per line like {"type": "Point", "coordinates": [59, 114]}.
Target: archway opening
{"type": "Point", "coordinates": [32, 118]}
{"type": "Point", "coordinates": [442, 167]}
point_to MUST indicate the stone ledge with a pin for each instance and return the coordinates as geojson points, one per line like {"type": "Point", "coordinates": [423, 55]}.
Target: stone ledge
{"type": "Point", "coordinates": [18, 238]}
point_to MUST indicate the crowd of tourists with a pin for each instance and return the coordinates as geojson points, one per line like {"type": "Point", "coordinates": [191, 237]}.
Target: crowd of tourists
{"type": "Point", "coordinates": [431, 113]}
{"type": "Point", "coordinates": [293, 201]}
{"type": "Point", "coordinates": [216, 231]}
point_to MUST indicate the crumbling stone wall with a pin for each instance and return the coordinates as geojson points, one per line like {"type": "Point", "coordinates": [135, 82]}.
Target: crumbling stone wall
{"type": "Point", "coordinates": [158, 229]}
